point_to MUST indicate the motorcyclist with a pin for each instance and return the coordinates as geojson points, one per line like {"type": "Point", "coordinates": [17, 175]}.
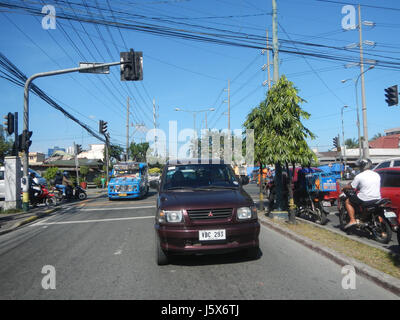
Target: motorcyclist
{"type": "Point", "coordinates": [58, 181]}
{"type": "Point", "coordinates": [34, 189]}
{"type": "Point", "coordinates": [67, 183]}
{"type": "Point", "coordinates": [368, 183]}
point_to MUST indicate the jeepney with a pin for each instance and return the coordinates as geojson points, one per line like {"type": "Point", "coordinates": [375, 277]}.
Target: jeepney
{"type": "Point", "coordinates": [129, 180]}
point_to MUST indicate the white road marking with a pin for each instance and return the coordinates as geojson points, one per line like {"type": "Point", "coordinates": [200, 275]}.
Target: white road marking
{"type": "Point", "coordinates": [118, 252]}
{"type": "Point", "coordinates": [122, 208]}
{"type": "Point", "coordinates": [97, 220]}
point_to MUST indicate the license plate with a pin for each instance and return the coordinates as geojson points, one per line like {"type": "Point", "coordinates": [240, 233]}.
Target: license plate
{"type": "Point", "coordinates": [122, 194]}
{"type": "Point", "coordinates": [390, 214]}
{"type": "Point", "coordinates": [326, 203]}
{"type": "Point", "coordinates": [207, 235]}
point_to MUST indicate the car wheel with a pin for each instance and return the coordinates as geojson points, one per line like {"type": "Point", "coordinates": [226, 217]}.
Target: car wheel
{"type": "Point", "coordinates": [161, 255]}
{"type": "Point", "coordinates": [253, 253]}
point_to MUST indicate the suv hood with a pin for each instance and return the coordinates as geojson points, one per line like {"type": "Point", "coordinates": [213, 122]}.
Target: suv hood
{"type": "Point", "coordinates": [225, 198]}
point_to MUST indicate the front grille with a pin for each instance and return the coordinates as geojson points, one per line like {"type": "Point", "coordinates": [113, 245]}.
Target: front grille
{"type": "Point", "coordinates": [204, 214]}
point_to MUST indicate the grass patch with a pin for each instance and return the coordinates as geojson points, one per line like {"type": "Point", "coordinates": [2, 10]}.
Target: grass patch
{"type": "Point", "coordinates": [373, 257]}
{"type": "Point", "coordinates": [2, 211]}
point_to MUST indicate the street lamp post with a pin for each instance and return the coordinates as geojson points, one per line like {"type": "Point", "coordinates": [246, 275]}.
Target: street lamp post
{"type": "Point", "coordinates": [194, 112]}
{"type": "Point", "coordinates": [344, 145]}
{"type": "Point", "coordinates": [365, 152]}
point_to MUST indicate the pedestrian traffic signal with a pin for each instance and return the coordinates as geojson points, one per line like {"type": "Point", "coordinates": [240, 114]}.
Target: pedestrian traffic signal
{"type": "Point", "coordinates": [392, 96]}
{"type": "Point", "coordinates": [131, 65]}
{"type": "Point", "coordinates": [9, 123]}
{"type": "Point", "coordinates": [102, 127]}
{"type": "Point", "coordinates": [24, 141]}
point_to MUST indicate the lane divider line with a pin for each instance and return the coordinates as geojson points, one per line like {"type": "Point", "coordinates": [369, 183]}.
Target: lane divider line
{"type": "Point", "coordinates": [96, 220]}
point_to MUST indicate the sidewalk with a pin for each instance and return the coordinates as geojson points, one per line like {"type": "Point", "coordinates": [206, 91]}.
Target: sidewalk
{"type": "Point", "coordinates": [11, 221]}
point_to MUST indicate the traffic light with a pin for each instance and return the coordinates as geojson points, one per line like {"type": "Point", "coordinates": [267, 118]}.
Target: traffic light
{"type": "Point", "coordinates": [102, 127]}
{"type": "Point", "coordinates": [9, 123]}
{"type": "Point", "coordinates": [78, 149]}
{"type": "Point", "coordinates": [132, 69]}
{"type": "Point", "coordinates": [24, 141]}
{"type": "Point", "coordinates": [392, 96]}
{"type": "Point", "coordinates": [336, 144]}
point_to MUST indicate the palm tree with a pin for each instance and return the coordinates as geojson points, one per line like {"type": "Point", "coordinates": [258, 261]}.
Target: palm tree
{"type": "Point", "coordinates": [351, 143]}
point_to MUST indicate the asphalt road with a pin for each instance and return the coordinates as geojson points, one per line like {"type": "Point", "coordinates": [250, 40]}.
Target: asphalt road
{"type": "Point", "coordinates": [105, 250]}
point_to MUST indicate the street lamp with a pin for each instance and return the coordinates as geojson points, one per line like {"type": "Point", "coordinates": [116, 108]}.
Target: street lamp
{"type": "Point", "coordinates": [194, 112]}
{"type": "Point", "coordinates": [358, 116]}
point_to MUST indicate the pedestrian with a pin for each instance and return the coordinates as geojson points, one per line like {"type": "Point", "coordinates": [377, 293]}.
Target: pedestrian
{"type": "Point", "coordinates": [103, 182]}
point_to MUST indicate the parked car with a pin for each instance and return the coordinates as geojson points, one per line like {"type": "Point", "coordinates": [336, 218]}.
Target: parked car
{"type": "Point", "coordinates": [389, 163]}
{"type": "Point", "coordinates": [39, 180]}
{"type": "Point", "coordinates": [390, 188]}
{"type": "Point", "coordinates": [202, 208]}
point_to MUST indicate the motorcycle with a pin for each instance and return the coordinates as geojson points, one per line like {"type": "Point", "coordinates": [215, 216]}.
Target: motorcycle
{"type": "Point", "coordinates": [375, 218]}
{"type": "Point", "coordinates": [310, 204]}
{"type": "Point", "coordinates": [76, 192]}
{"type": "Point", "coordinates": [40, 195]}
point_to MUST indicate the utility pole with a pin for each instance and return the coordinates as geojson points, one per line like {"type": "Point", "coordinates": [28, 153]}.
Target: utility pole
{"type": "Point", "coordinates": [155, 126]}
{"type": "Point", "coordinates": [229, 104]}
{"type": "Point", "coordinates": [268, 64]}
{"type": "Point", "coordinates": [364, 107]}
{"type": "Point", "coordinates": [278, 167]}
{"type": "Point", "coordinates": [275, 41]}
{"type": "Point", "coordinates": [127, 129]}
{"type": "Point", "coordinates": [76, 163]}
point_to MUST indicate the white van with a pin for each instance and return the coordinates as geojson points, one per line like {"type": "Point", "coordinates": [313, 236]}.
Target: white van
{"type": "Point", "coordinates": [39, 180]}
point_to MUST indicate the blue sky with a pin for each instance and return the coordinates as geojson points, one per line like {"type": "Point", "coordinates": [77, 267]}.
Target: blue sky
{"type": "Point", "coordinates": [193, 75]}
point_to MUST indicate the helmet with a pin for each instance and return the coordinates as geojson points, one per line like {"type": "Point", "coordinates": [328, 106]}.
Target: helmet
{"type": "Point", "coordinates": [65, 174]}
{"type": "Point", "coordinates": [364, 164]}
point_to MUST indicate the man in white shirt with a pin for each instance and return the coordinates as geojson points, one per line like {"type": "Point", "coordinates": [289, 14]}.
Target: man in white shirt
{"type": "Point", "coordinates": [368, 183]}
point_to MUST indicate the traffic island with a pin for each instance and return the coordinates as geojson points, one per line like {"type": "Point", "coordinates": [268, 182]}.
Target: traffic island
{"type": "Point", "coordinates": [377, 265]}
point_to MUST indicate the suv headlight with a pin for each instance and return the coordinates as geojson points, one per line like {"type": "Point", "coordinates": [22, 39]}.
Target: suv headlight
{"type": "Point", "coordinates": [170, 216]}
{"type": "Point", "coordinates": [245, 213]}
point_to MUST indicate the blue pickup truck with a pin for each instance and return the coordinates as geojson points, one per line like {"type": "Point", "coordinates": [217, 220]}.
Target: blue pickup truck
{"type": "Point", "coordinates": [129, 180]}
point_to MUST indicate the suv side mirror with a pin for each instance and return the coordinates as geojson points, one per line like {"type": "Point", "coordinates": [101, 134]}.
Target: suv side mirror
{"type": "Point", "coordinates": [155, 184]}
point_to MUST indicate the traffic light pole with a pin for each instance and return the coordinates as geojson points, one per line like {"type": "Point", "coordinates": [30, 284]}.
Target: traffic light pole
{"type": "Point", "coordinates": [25, 159]}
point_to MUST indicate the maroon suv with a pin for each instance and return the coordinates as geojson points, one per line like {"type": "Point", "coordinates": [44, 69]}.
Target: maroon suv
{"type": "Point", "coordinates": [202, 208]}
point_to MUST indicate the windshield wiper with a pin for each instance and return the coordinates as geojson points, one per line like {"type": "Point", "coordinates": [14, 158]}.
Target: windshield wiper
{"type": "Point", "coordinates": [216, 187]}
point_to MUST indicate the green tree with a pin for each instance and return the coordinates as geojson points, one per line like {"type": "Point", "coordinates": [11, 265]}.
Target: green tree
{"type": "Point", "coordinates": [50, 173]}
{"type": "Point", "coordinates": [84, 170]}
{"type": "Point", "coordinates": [6, 147]}
{"type": "Point", "coordinates": [137, 151]}
{"type": "Point", "coordinates": [115, 153]}
{"type": "Point", "coordinates": [351, 143]}
{"type": "Point", "coordinates": [280, 135]}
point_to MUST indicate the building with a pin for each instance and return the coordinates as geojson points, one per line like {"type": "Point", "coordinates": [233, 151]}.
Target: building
{"type": "Point", "coordinates": [36, 158]}
{"type": "Point", "coordinates": [51, 151]}
{"type": "Point", "coordinates": [95, 152]}
{"type": "Point", "coordinates": [390, 132]}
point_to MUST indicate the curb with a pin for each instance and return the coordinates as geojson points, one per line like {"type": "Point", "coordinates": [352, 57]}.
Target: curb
{"type": "Point", "coordinates": [30, 219]}
{"type": "Point", "coordinates": [380, 278]}
{"type": "Point", "coordinates": [343, 234]}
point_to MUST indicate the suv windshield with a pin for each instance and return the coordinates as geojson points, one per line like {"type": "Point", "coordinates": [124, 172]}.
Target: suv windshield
{"type": "Point", "coordinates": [199, 176]}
